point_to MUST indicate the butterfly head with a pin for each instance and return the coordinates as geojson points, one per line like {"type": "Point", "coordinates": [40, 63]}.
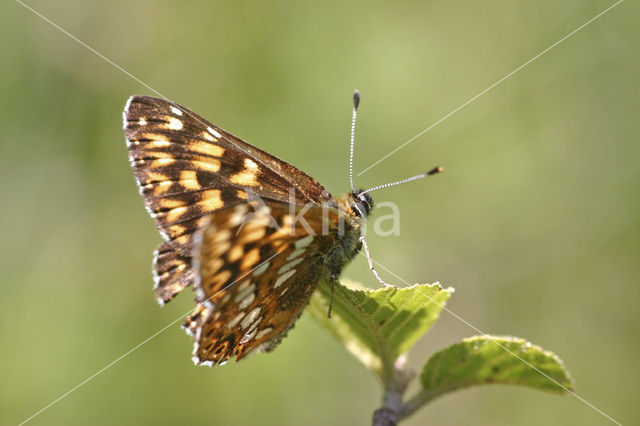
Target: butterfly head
{"type": "Point", "coordinates": [360, 202]}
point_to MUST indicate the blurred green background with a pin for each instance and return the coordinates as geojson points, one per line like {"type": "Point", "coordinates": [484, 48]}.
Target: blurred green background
{"type": "Point", "coordinates": [535, 222]}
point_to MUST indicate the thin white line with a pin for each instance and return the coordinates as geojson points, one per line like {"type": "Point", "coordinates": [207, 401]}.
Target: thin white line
{"type": "Point", "coordinates": [93, 50]}
{"type": "Point", "coordinates": [98, 372]}
{"type": "Point", "coordinates": [492, 86]}
{"type": "Point", "coordinates": [500, 345]}
{"type": "Point", "coordinates": [129, 74]}
{"type": "Point", "coordinates": [88, 379]}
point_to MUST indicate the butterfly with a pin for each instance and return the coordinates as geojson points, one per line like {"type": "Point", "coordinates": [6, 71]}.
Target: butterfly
{"type": "Point", "coordinates": [251, 233]}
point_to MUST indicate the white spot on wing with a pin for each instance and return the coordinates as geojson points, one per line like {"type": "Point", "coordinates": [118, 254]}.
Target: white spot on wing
{"type": "Point", "coordinates": [254, 326]}
{"type": "Point", "coordinates": [287, 266]}
{"type": "Point", "coordinates": [175, 124]}
{"type": "Point", "coordinates": [248, 300]}
{"type": "Point", "coordinates": [260, 269]}
{"type": "Point", "coordinates": [176, 111]}
{"type": "Point", "coordinates": [242, 294]}
{"type": "Point", "coordinates": [296, 253]}
{"type": "Point", "coordinates": [250, 164]}
{"type": "Point", "coordinates": [264, 332]}
{"type": "Point", "coordinates": [244, 284]}
{"type": "Point", "coordinates": [159, 143]}
{"type": "Point", "coordinates": [304, 242]}
{"type": "Point", "coordinates": [282, 278]}
{"type": "Point", "coordinates": [235, 320]}
{"type": "Point", "coordinates": [214, 133]}
{"type": "Point", "coordinates": [251, 316]}
{"type": "Point", "coordinates": [162, 161]}
{"type": "Point", "coordinates": [248, 336]}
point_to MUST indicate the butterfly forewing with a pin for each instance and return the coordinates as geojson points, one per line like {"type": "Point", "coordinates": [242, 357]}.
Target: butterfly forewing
{"type": "Point", "coordinates": [188, 168]}
{"type": "Point", "coordinates": [258, 269]}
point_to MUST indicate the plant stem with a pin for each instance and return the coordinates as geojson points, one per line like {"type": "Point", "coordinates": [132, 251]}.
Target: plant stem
{"type": "Point", "coordinates": [384, 417]}
{"type": "Point", "coordinates": [395, 383]}
{"type": "Point", "coordinates": [414, 403]}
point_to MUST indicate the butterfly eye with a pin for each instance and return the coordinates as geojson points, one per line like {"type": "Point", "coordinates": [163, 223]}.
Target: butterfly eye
{"type": "Point", "coordinates": [362, 203]}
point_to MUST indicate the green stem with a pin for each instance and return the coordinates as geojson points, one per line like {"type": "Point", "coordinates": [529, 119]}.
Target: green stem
{"type": "Point", "coordinates": [415, 403]}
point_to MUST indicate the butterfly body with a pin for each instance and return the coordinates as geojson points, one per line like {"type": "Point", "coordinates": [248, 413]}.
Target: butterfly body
{"type": "Point", "coordinates": [347, 244]}
{"type": "Point", "coordinates": [254, 235]}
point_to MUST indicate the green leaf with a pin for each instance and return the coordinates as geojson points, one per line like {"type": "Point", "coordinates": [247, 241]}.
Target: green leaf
{"type": "Point", "coordinates": [487, 359]}
{"type": "Point", "coordinates": [377, 326]}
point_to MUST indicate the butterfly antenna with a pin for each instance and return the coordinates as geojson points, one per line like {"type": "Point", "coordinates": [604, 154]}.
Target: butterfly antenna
{"type": "Point", "coordinates": [356, 102]}
{"type": "Point", "coordinates": [433, 171]}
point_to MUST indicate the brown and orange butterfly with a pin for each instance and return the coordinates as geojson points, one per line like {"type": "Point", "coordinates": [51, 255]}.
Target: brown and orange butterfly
{"type": "Point", "coordinates": [253, 234]}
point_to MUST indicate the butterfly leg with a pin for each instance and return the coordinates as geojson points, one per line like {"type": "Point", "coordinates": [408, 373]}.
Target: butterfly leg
{"type": "Point", "coordinates": [370, 260]}
{"type": "Point", "coordinates": [331, 299]}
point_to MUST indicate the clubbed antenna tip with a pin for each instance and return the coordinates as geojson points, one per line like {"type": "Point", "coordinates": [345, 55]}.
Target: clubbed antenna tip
{"type": "Point", "coordinates": [356, 102]}
{"type": "Point", "coordinates": [435, 170]}
{"type": "Point", "coordinates": [407, 180]}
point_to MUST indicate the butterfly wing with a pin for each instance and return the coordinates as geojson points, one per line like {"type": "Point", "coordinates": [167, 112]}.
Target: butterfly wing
{"type": "Point", "coordinates": [257, 272]}
{"type": "Point", "coordinates": [188, 168]}
{"type": "Point", "coordinates": [172, 270]}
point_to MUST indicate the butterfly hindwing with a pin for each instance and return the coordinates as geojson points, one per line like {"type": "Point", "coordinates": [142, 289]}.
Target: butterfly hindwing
{"type": "Point", "coordinates": [257, 271]}
{"type": "Point", "coordinates": [188, 168]}
{"type": "Point", "coordinates": [172, 271]}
